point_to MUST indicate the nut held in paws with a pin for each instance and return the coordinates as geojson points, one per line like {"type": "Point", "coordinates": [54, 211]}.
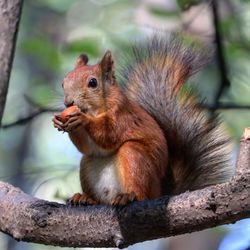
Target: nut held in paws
{"type": "Point", "coordinates": [66, 112]}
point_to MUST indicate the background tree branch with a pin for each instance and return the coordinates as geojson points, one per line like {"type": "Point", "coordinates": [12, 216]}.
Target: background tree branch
{"type": "Point", "coordinates": [29, 219]}
{"type": "Point", "coordinates": [224, 81]}
{"type": "Point", "coordinates": [39, 110]}
{"type": "Point", "coordinates": [10, 13]}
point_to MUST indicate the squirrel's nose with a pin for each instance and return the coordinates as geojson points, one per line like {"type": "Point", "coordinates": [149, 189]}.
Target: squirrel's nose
{"type": "Point", "coordinates": [68, 103]}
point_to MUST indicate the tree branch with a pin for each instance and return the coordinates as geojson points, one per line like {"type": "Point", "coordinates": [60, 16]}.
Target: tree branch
{"type": "Point", "coordinates": [10, 13]}
{"type": "Point", "coordinates": [39, 110]}
{"type": "Point", "coordinates": [226, 106]}
{"type": "Point", "coordinates": [28, 118]}
{"type": "Point", "coordinates": [30, 219]}
{"type": "Point", "coordinates": [225, 83]}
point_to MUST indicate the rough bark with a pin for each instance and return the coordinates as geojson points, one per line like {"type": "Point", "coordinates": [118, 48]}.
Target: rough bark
{"type": "Point", "coordinates": [29, 219]}
{"type": "Point", "coordinates": [10, 13]}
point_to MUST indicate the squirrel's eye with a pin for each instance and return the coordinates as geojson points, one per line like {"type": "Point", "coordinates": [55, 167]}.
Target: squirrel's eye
{"type": "Point", "coordinates": [92, 83]}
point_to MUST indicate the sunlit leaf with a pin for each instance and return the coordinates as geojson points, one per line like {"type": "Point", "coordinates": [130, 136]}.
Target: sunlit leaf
{"type": "Point", "coordinates": [43, 51]}
{"type": "Point", "coordinates": [186, 4]}
{"type": "Point", "coordinates": [57, 5]}
{"type": "Point", "coordinates": [86, 45]}
{"type": "Point", "coordinates": [163, 12]}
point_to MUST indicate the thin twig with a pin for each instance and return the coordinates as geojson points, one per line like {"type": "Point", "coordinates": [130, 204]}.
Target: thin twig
{"type": "Point", "coordinates": [28, 118]}
{"type": "Point", "coordinates": [224, 83]}
{"type": "Point", "coordinates": [40, 110]}
{"type": "Point", "coordinates": [226, 106]}
{"type": "Point", "coordinates": [24, 120]}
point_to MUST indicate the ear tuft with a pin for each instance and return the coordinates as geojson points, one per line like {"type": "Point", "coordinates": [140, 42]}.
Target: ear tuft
{"type": "Point", "coordinates": [81, 60]}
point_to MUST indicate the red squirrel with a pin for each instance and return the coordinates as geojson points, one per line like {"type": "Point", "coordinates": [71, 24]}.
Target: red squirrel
{"type": "Point", "coordinates": [142, 139]}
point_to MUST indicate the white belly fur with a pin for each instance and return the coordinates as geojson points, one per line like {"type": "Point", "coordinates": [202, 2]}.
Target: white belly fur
{"type": "Point", "coordinates": [102, 176]}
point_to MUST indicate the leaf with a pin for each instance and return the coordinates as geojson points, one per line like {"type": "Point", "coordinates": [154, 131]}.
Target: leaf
{"type": "Point", "coordinates": [186, 4]}
{"type": "Point", "coordinates": [43, 51]}
{"type": "Point", "coordinates": [162, 12]}
{"type": "Point", "coordinates": [89, 46]}
{"type": "Point", "coordinates": [60, 6]}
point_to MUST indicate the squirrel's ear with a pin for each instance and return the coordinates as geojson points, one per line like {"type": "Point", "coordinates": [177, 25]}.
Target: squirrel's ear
{"type": "Point", "coordinates": [107, 66]}
{"type": "Point", "coordinates": [81, 60]}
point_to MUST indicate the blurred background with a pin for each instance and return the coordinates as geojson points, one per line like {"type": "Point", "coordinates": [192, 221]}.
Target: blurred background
{"type": "Point", "coordinates": [43, 162]}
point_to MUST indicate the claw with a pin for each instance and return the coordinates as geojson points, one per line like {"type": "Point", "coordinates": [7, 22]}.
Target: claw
{"type": "Point", "coordinates": [75, 120]}
{"type": "Point", "coordinates": [81, 199]}
{"type": "Point", "coordinates": [76, 113]}
{"type": "Point", "coordinates": [57, 123]}
{"type": "Point", "coordinates": [123, 199]}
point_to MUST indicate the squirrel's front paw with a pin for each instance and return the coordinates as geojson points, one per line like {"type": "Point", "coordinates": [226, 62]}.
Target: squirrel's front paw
{"type": "Point", "coordinates": [58, 122]}
{"type": "Point", "coordinates": [81, 199]}
{"type": "Point", "coordinates": [123, 199]}
{"type": "Point", "coordinates": [74, 121]}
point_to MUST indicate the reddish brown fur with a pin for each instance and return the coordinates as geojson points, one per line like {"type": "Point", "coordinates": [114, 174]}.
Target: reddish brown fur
{"type": "Point", "coordinates": [142, 151]}
{"type": "Point", "coordinates": [117, 126]}
{"type": "Point", "coordinates": [140, 144]}
{"type": "Point", "coordinates": [125, 151]}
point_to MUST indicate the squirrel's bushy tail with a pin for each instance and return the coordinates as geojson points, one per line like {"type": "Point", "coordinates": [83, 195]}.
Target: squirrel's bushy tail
{"type": "Point", "coordinates": [197, 147]}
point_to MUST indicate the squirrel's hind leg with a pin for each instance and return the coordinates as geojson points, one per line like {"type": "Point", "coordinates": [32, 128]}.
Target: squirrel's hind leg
{"type": "Point", "coordinates": [86, 197]}
{"type": "Point", "coordinates": [140, 180]}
